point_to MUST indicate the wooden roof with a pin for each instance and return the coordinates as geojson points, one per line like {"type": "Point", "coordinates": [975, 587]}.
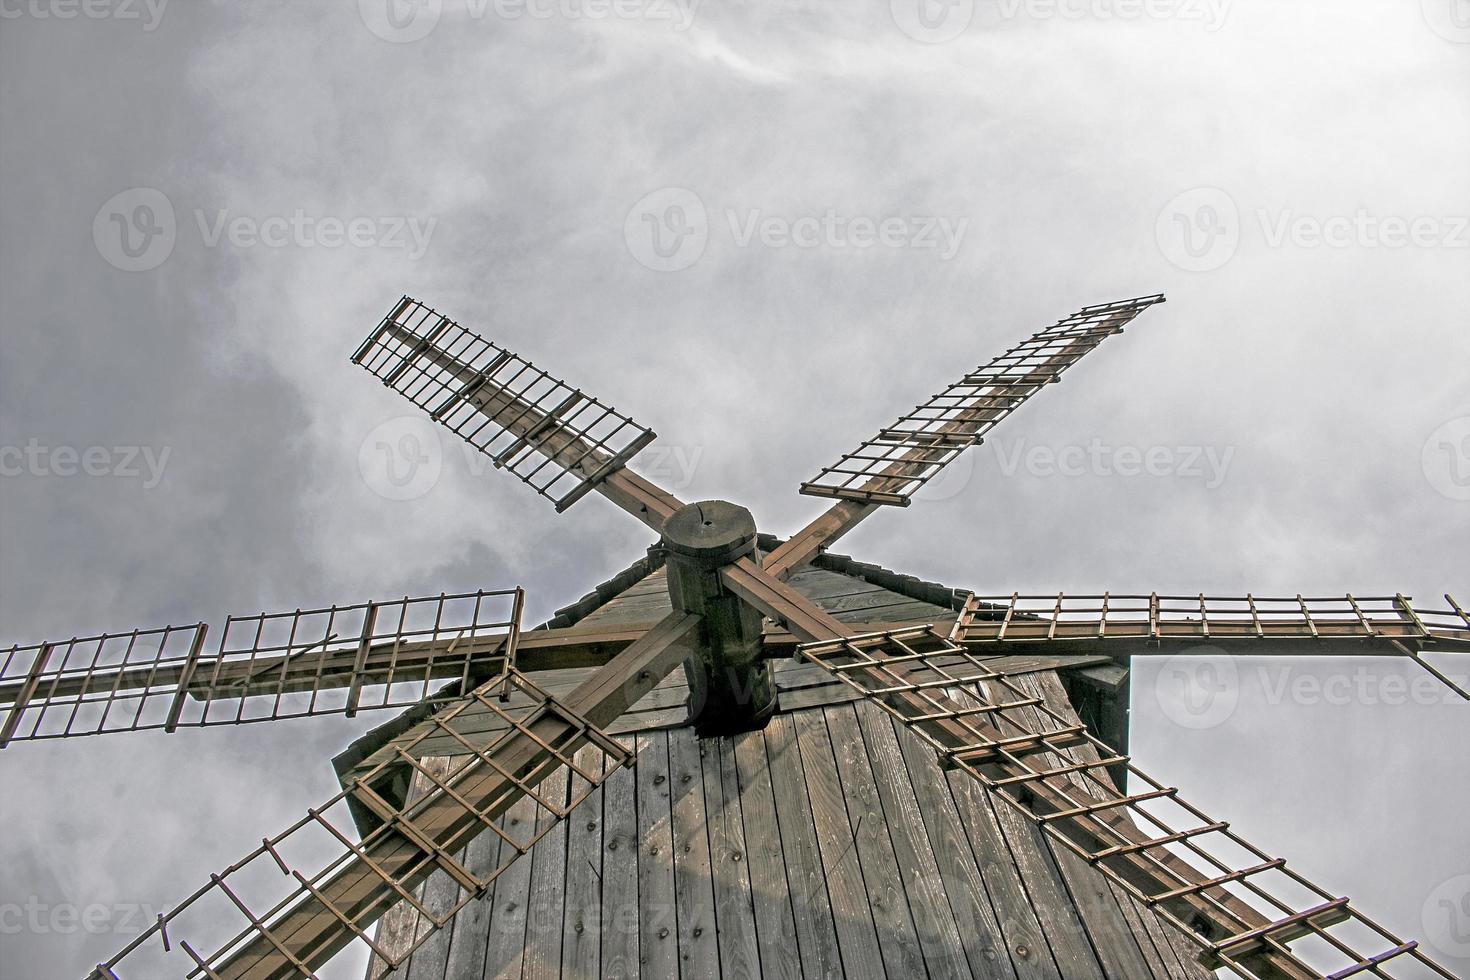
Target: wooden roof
{"type": "Point", "coordinates": [829, 844]}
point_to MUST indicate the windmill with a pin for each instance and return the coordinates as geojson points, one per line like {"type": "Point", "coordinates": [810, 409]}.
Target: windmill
{"type": "Point", "coordinates": [489, 760]}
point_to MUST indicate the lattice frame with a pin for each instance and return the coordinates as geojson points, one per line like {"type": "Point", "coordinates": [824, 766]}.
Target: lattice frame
{"type": "Point", "coordinates": [555, 438]}
{"type": "Point", "coordinates": [409, 843]}
{"type": "Point", "coordinates": [893, 465]}
{"type": "Point", "coordinates": [1233, 900]}
{"type": "Point", "coordinates": [265, 667]}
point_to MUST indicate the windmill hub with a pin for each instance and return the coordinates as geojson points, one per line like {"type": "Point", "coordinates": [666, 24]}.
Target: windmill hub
{"type": "Point", "coordinates": [730, 683]}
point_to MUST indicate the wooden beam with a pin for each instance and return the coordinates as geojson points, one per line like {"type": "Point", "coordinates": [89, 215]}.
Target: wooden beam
{"type": "Point", "coordinates": [313, 934]}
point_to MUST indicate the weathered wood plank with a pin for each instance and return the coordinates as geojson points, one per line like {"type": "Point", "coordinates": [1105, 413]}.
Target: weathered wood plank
{"type": "Point", "coordinates": [985, 938]}
{"type": "Point", "coordinates": [620, 873]}
{"type": "Point", "coordinates": [548, 886]}
{"type": "Point", "coordinates": [694, 897]}
{"type": "Point", "coordinates": [816, 936]}
{"type": "Point", "coordinates": [658, 945]}
{"type": "Point", "coordinates": [934, 921]}
{"type": "Point", "coordinates": [1116, 945]}
{"type": "Point", "coordinates": [471, 927]}
{"type": "Point", "coordinates": [1025, 935]}
{"type": "Point", "coordinates": [734, 910]}
{"type": "Point", "coordinates": [1064, 932]}
{"type": "Point", "coordinates": [581, 938]}
{"type": "Point", "coordinates": [506, 945]}
{"type": "Point", "coordinates": [853, 918]}
{"type": "Point", "coordinates": [769, 886]}
{"type": "Point", "coordinates": [899, 941]}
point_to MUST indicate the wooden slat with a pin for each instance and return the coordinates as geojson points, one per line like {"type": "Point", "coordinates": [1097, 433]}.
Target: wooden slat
{"type": "Point", "coordinates": [658, 945]}
{"type": "Point", "coordinates": [983, 930]}
{"type": "Point", "coordinates": [470, 930]}
{"type": "Point", "coordinates": [816, 936]}
{"type": "Point", "coordinates": [506, 945]}
{"type": "Point", "coordinates": [620, 873]}
{"type": "Point", "coordinates": [934, 921]}
{"type": "Point", "coordinates": [730, 868]}
{"type": "Point", "coordinates": [694, 897]}
{"type": "Point", "coordinates": [857, 936]}
{"type": "Point", "coordinates": [581, 946]}
{"type": "Point", "coordinates": [1114, 942]}
{"type": "Point", "coordinates": [769, 886]}
{"type": "Point", "coordinates": [548, 887]}
{"type": "Point", "coordinates": [902, 956]}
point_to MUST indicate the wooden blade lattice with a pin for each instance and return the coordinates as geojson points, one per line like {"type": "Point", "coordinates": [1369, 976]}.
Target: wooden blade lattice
{"type": "Point", "coordinates": [894, 464]}
{"type": "Point", "coordinates": [1245, 909]}
{"type": "Point", "coordinates": [334, 660]}
{"type": "Point", "coordinates": [1392, 621]}
{"type": "Point", "coordinates": [266, 919]}
{"type": "Point", "coordinates": [556, 439]}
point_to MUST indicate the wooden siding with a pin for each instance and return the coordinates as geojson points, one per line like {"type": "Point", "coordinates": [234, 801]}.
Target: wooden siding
{"type": "Point", "coordinates": [830, 844]}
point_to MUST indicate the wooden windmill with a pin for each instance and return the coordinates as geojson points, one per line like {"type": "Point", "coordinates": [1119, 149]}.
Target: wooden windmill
{"type": "Point", "coordinates": [840, 783]}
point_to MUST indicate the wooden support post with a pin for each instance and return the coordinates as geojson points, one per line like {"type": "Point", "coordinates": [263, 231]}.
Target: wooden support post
{"type": "Point", "coordinates": [731, 688]}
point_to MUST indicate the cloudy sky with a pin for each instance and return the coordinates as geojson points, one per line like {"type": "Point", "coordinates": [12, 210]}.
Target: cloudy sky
{"type": "Point", "coordinates": [763, 229]}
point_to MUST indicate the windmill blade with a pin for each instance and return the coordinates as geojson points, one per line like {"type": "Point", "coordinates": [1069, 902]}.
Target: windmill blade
{"type": "Point", "coordinates": [889, 468]}
{"type": "Point", "coordinates": [1246, 910]}
{"type": "Point", "coordinates": [900, 459]}
{"type": "Point", "coordinates": [558, 440]}
{"type": "Point", "coordinates": [1175, 624]}
{"type": "Point", "coordinates": [269, 666]}
{"type": "Point", "coordinates": [265, 919]}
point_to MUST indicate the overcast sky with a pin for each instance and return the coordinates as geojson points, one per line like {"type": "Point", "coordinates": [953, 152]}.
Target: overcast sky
{"type": "Point", "coordinates": [763, 229]}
